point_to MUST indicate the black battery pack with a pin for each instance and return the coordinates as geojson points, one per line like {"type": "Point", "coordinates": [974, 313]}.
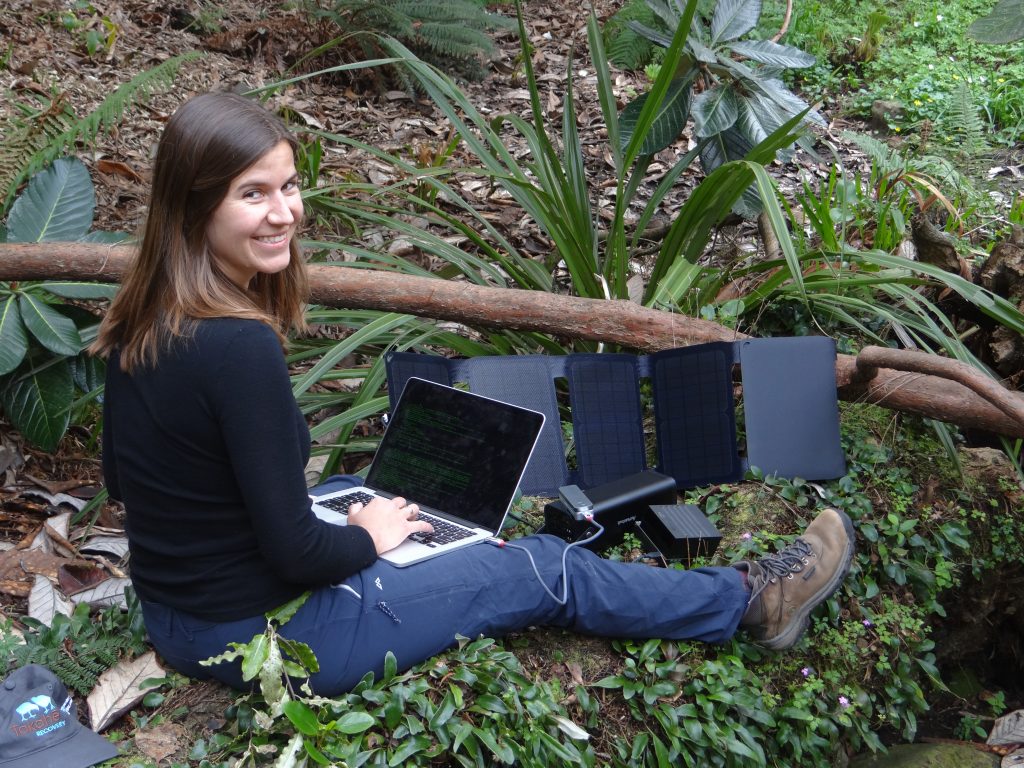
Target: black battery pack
{"type": "Point", "coordinates": [617, 506]}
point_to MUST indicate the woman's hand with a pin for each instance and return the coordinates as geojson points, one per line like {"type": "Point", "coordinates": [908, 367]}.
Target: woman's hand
{"type": "Point", "coordinates": [388, 521]}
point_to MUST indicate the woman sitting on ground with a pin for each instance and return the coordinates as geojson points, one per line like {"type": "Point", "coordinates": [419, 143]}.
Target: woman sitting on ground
{"type": "Point", "coordinates": [204, 444]}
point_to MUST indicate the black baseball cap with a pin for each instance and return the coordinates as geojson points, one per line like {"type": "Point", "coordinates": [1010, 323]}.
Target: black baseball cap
{"type": "Point", "coordinates": [40, 727]}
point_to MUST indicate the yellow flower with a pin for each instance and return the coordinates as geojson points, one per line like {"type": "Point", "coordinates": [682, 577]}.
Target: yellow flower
{"type": "Point", "coordinates": [1000, 79]}
{"type": "Point", "coordinates": [917, 102]}
{"type": "Point", "coordinates": [896, 129]}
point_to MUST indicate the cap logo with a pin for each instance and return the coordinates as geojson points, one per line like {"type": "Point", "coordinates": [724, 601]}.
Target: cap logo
{"type": "Point", "coordinates": [39, 716]}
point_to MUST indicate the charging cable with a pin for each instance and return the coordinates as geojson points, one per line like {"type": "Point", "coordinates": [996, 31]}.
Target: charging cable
{"type": "Point", "coordinates": [502, 544]}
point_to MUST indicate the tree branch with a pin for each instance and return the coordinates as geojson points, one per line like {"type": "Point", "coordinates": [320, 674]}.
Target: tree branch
{"type": "Point", "coordinates": [897, 379]}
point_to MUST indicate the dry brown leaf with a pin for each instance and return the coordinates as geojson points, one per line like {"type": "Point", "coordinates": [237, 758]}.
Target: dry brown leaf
{"type": "Point", "coordinates": [20, 563]}
{"type": "Point", "coordinates": [79, 576]}
{"type": "Point", "coordinates": [161, 740]}
{"type": "Point", "coordinates": [108, 592]}
{"type": "Point", "coordinates": [116, 547]}
{"type": "Point", "coordinates": [116, 168]}
{"type": "Point", "coordinates": [45, 602]}
{"type": "Point", "coordinates": [1008, 729]}
{"type": "Point", "coordinates": [117, 690]}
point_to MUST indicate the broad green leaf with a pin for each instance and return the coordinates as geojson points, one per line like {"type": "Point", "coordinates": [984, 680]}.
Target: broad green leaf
{"type": "Point", "coordinates": [669, 120]}
{"type": "Point", "coordinates": [501, 751]}
{"type": "Point", "coordinates": [302, 717]}
{"type": "Point", "coordinates": [87, 371]}
{"type": "Point", "coordinates": [667, 13]}
{"type": "Point", "coordinates": [655, 36]}
{"type": "Point", "coordinates": [355, 722]}
{"type": "Point", "coordinates": [722, 148]}
{"type": "Point", "coordinates": [52, 329]}
{"type": "Point", "coordinates": [107, 238]}
{"type": "Point", "coordinates": [408, 748]}
{"type": "Point", "coordinates": [271, 674]}
{"type": "Point", "coordinates": [255, 655]}
{"type": "Point", "coordinates": [768, 52]}
{"type": "Point", "coordinates": [78, 290]}
{"type": "Point", "coordinates": [390, 667]}
{"type": "Point", "coordinates": [488, 702]}
{"type": "Point", "coordinates": [1004, 24]}
{"type": "Point", "coordinates": [733, 19]}
{"type": "Point", "coordinates": [283, 613]}
{"type": "Point", "coordinates": [714, 111]}
{"type": "Point", "coordinates": [13, 339]}
{"type": "Point", "coordinates": [302, 653]}
{"type": "Point", "coordinates": [37, 398]}
{"type": "Point", "coordinates": [656, 97]}
{"type": "Point", "coordinates": [57, 205]}
{"type": "Point", "coordinates": [787, 101]}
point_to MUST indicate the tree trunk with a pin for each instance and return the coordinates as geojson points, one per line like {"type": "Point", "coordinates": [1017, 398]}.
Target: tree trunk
{"type": "Point", "coordinates": [619, 322]}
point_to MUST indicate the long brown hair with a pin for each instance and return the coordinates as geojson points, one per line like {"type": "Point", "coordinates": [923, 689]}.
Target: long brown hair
{"type": "Point", "coordinates": [174, 280]}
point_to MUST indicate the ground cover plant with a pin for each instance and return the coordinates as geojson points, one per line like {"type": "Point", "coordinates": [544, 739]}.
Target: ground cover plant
{"type": "Point", "coordinates": [919, 54]}
{"type": "Point", "coordinates": [867, 673]}
{"type": "Point", "coordinates": [876, 664]}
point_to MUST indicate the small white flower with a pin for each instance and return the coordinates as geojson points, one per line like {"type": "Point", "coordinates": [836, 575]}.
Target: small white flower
{"type": "Point", "coordinates": [938, 17]}
{"type": "Point", "coordinates": [917, 23]}
{"type": "Point", "coordinates": [931, 66]}
{"type": "Point", "coordinates": [970, 80]}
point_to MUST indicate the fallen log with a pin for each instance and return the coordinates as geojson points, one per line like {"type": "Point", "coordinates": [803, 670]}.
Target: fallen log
{"type": "Point", "coordinates": [894, 380]}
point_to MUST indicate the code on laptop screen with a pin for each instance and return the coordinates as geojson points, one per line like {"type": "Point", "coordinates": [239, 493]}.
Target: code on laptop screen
{"type": "Point", "coordinates": [456, 452]}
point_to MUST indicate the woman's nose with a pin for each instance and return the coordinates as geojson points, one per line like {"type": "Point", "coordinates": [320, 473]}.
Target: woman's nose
{"type": "Point", "coordinates": [280, 210]}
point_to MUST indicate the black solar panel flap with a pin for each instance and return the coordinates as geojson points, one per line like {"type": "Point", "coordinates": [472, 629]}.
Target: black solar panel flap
{"type": "Point", "coordinates": [401, 366]}
{"type": "Point", "coordinates": [607, 420]}
{"type": "Point", "coordinates": [528, 381]}
{"type": "Point", "coordinates": [790, 407]}
{"type": "Point", "coordinates": [695, 420]}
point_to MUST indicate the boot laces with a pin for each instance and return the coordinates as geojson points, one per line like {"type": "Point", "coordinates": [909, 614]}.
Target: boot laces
{"type": "Point", "coordinates": [785, 563]}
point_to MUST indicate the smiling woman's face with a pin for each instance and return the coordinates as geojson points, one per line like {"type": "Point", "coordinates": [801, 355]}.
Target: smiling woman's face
{"type": "Point", "coordinates": [250, 231]}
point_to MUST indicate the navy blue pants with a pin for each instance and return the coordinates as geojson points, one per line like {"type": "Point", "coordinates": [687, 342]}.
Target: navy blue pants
{"type": "Point", "coordinates": [417, 611]}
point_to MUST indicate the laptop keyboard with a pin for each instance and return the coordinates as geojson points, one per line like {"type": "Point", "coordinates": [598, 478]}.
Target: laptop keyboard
{"type": "Point", "coordinates": [342, 503]}
{"type": "Point", "coordinates": [444, 532]}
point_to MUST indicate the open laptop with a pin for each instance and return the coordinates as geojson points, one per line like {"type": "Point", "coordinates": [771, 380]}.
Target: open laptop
{"type": "Point", "coordinates": [457, 455]}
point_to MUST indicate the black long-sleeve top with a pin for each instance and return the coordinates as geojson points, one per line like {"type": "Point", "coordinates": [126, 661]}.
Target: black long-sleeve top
{"type": "Point", "coordinates": [207, 451]}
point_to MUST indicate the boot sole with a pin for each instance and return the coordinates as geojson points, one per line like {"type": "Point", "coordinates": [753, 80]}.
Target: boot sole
{"type": "Point", "coordinates": [799, 623]}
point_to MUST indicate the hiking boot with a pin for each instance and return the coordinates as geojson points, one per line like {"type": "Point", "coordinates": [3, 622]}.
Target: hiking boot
{"type": "Point", "coordinates": [787, 586]}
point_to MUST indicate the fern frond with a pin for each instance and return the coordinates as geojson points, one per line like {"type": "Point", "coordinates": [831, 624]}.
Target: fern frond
{"type": "Point", "coordinates": [964, 123]}
{"type": "Point", "coordinates": [450, 40]}
{"type": "Point", "coordinates": [881, 154]}
{"type": "Point", "coordinates": [25, 136]}
{"type": "Point", "coordinates": [454, 35]}
{"type": "Point", "coordinates": [629, 50]}
{"type": "Point", "coordinates": [46, 135]}
{"type": "Point", "coordinates": [625, 47]}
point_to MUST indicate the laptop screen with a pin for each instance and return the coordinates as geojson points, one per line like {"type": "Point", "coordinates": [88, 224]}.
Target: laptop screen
{"type": "Point", "coordinates": [459, 453]}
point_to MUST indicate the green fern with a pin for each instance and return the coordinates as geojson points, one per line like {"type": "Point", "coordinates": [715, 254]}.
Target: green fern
{"type": "Point", "coordinates": [963, 122]}
{"type": "Point", "coordinates": [44, 129]}
{"type": "Point", "coordinates": [889, 162]}
{"type": "Point", "coordinates": [81, 647]}
{"type": "Point", "coordinates": [453, 35]}
{"type": "Point", "coordinates": [625, 47]}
